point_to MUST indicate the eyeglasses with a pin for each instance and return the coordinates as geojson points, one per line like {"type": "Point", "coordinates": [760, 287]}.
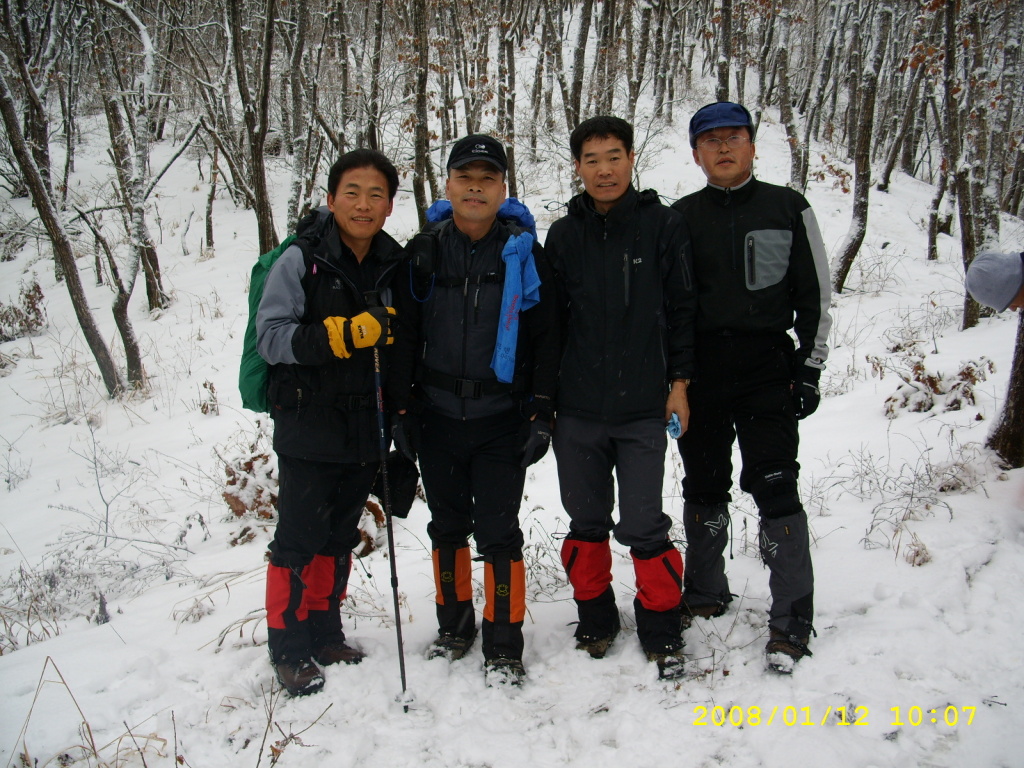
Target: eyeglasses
{"type": "Point", "coordinates": [714, 144]}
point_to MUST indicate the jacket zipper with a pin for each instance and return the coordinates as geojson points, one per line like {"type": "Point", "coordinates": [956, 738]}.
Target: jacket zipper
{"type": "Point", "coordinates": [465, 323]}
{"type": "Point", "coordinates": [751, 262]}
{"type": "Point", "coordinates": [625, 275]}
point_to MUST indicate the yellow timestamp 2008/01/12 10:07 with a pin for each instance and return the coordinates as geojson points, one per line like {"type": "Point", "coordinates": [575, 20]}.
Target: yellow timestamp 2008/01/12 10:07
{"type": "Point", "coordinates": [789, 715]}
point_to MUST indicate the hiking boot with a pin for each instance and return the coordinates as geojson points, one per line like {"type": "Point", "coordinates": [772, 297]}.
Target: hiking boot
{"type": "Point", "coordinates": [690, 613]}
{"type": "Point", "coordinates": [299, 678]}
{"type": "Point", "coordinates": [500, 672]}
{"type": "Point", "coordinates": [450, 647]}
{"type": "Point", "coordinates": [783, 651]}
{"type": "Point", "coordinates": [671, 665]}
{"type": "Point", "coordinates": [337, 653]}
{"type": "Point", "coordinates": [597, 647]}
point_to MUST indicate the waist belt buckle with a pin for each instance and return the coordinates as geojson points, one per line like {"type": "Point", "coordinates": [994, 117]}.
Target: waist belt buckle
{"type": "Point", "coordinates": [468, 388]}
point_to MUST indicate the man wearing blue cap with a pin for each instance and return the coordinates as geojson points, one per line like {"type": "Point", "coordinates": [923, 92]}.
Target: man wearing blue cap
{"type": "Point", "coordinates": [761, 271]}
{"type": "Point", "coordinates": [997, 280]}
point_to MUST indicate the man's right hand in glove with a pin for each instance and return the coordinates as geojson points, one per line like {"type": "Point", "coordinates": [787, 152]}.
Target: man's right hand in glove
{"type": "Point", "coordinates": [371, 328]}
{"type": "Point", "coordinates": [405, 432]}
{"type": "Point", "coordinates": [537, 441]}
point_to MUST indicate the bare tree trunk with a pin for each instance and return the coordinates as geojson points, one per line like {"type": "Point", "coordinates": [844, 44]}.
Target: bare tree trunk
{"type": "Point", "coordinates": [256, 112]}
{"type": "Point", "coordinates": [537, 105]}
{"type": "Point", "coordinates": [798, 161]}
{"type": "Point", "coordinates": [62, 247]}
{"type": "Point", "coordinates": [933, 215]}
{"type": "Point", "coordinates": [373, 119]}
{"type": "Point", "coordinates": [555, 38]}
{"type": "Point", "coordinates": [602, 82]}
{"type": "Point", "coordinates": [903, 129]}
{"type": "Point", "coordinates": [1015, 189]}
{"type": "Point", "coordinates": [296, 128]}
{"type": "Point", "coordinates": [1010, 88]}
{"type": "Point", "coordinates": [724, 51]}
{"type": "Point", "coordinates": [421, 157]}
{"type": "Point", "coordinates": [507, 91]}
{"type": "Point", "coordinates": [1007, 439]}
{"type": "Point", "coordinates": [585, 10]}
{"type": "Point", "coordinates": [862, 155]}
{"type": "Point", "coordinates": [214, 171]}
{"type": "Point", "coordinates": [636, 57]}
{"type": "Point", "coordinates": [122, 137]}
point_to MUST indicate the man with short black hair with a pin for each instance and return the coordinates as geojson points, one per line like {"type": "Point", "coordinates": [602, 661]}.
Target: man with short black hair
{"type": "Point", "coordinates": [483, 403]}
{"type": "Point", "coordinates": [621, 260]}
{"type": "Point", "coordinates": [761, 270]}
{"type": "Point", "coordinates": [327, 303]}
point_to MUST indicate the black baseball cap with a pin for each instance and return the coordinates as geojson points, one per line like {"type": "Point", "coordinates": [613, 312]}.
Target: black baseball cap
{"type": "Point", "coordinates": [478, 146]}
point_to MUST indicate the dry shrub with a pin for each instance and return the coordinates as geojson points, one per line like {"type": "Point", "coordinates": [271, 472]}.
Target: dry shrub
{"type": "Point", "coordinates": [922, 389]}
{"type": "Point", "coordinates": [25, 316]}
{"type": "Point", "coordinates": [371, 523]}
{"type": "Point", "coordinates": [251, 487]}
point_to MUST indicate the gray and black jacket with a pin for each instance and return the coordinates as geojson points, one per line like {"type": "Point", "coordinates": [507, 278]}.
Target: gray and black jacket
{"type": "Point", "coordinates": [324, 407]}
{"type": "Point", "coordinates": [760, 266]}
{"type": "Point", "coordinates": [458, 309]}
{"type": "Point", "coordinates": [628, 306]}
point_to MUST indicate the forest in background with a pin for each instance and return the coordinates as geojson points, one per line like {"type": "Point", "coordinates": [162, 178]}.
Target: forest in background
{"type": "Point", "coordinates": [930, 88]}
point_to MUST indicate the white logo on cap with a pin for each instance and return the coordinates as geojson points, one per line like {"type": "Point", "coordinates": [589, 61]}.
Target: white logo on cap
{"type": "Point", "coordinates": [480, 147]}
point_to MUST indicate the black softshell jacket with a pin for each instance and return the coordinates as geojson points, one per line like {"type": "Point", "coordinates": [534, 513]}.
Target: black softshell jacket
{"type": "Point", "coordinates": [628, 306]}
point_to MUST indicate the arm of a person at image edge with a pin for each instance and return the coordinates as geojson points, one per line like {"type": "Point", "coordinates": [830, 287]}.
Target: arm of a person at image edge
{"type": "Point", "coordinates": [678, 404]}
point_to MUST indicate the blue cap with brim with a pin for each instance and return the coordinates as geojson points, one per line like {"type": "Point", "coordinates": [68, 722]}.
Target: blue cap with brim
{"type": "Point", "coordinates": [995, 279]}
{"type": "Point", "coordinates": [721, 114]}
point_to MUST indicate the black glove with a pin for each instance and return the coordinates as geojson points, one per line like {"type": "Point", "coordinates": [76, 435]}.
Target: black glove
{"type": "Point", "coordinates": [405, 431]}
{"type": "Point", "coordinates": [537, 442]}
{"type": "Point", "coordinates": [403, 482]}
{"type": "Point", "coordinates": [806, 396]}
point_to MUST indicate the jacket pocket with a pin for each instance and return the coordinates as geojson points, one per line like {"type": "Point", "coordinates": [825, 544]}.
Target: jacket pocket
{"type": "Point", "coordinates": [766, 257]}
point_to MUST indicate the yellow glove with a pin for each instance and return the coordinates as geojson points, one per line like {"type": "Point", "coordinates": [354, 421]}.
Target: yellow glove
{"type": "Point", "coordinates": [371, 328]}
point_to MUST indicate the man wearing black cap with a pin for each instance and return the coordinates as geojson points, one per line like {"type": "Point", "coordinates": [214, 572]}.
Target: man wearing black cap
{"type": "Point", "coordinates": [485, 381]}
{"type": "Point", "coordinates": [761, 270]}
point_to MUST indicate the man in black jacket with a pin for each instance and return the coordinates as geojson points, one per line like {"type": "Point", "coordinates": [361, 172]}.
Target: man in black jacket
{"type": "Point", "coordinates": [480, 424]}
{"type": "Point", "coordinates": [761, 270]}
{"type": "Point", "coordinates": [327, 302]}
{"type": "Point", "coordinates": [622, 265]}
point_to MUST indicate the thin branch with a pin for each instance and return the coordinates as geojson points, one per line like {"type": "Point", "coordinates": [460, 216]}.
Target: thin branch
{"type": "Point", "coordinates": [159, 174]}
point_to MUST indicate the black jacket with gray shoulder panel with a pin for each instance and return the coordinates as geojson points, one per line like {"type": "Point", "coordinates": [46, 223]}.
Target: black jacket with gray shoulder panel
{"type": "Point", "coordinates": [324, 407]}
{"type": "Point", "coordinates": [760, 265]}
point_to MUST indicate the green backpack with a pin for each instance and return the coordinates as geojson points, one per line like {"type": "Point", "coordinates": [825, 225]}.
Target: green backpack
{"type": "Point", "coordinates": [253, 372]}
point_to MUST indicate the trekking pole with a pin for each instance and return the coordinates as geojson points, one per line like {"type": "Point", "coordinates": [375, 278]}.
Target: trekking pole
{"type": "Point", "coordinates": [387, 518]}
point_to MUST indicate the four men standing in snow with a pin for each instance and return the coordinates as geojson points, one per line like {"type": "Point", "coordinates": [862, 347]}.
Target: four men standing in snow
{"type": "Point", "coordinates": [634, 317]}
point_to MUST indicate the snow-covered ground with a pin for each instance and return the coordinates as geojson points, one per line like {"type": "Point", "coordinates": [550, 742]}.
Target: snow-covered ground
{"type": "Point", "coordinates": [918, 546]}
